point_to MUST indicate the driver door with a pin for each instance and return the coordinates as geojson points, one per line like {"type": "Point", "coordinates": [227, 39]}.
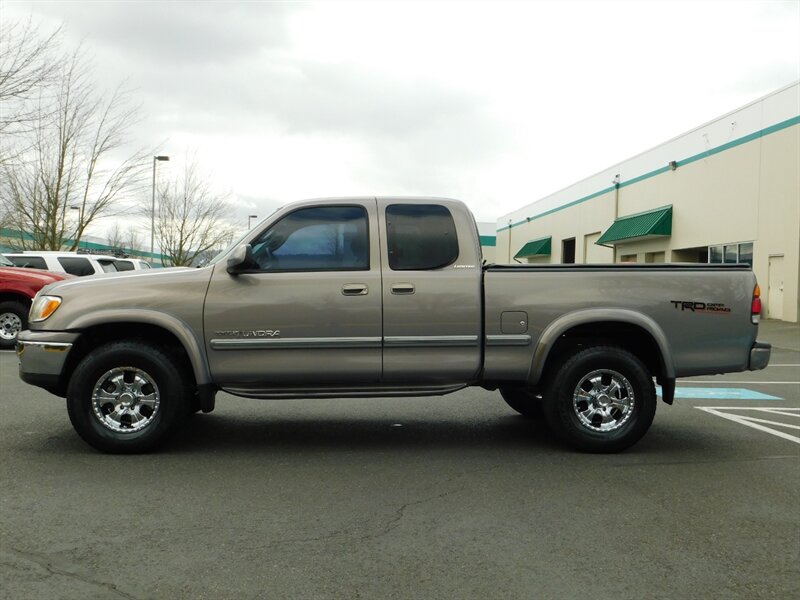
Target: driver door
{"type": "Point", "coordinates": [309, 311]}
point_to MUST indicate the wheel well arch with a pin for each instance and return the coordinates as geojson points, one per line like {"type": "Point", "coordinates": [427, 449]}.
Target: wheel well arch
{"type": "Point", "coordinates": [97, 335]}
{"type": "Point", "coordinates": [632, 337]}
{"type": "Point", "coordinates": [15, 297]}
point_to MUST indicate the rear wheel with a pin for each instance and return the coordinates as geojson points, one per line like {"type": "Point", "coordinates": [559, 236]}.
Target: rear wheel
{"type": "Point", "coordinates": [13, 319]}
{"type": "Point", "coordinates": [126, 397]}
{"type": "Point", "coordinates": [601, 399]}
{"type": "Point", "coordinates": [524, 401]}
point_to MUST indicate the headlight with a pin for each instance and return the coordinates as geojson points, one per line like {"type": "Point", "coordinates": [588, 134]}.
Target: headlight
{"type": "Point", "coordinates": [43, 307]}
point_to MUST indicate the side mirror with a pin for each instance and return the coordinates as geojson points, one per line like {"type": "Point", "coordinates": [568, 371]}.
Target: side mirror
{"type": "Point", "coordinates": [240, 259]}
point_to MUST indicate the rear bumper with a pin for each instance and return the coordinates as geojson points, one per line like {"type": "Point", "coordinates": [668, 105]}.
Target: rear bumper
{"type": "Point", "coordinates": [759, 356]}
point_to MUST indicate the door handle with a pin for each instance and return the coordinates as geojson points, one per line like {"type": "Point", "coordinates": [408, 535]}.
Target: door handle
{"type": "Point", "coordinates": [403, 289]}
{"type": "Point", "coordinates": [355, 289]}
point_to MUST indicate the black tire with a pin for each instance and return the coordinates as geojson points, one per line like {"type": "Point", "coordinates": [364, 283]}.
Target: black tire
{"type": "Point", "coordinates": [139, 381]}
{"type": "Point", "coordinates": [617, 409]}
{"type": "Point", "coordinates": [13, 319]}
{"type": "Point", "coordinates": [524, 401]}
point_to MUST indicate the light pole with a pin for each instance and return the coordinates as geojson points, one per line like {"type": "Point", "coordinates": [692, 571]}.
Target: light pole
{"type": "Point", "coordinates": [248, 220]}
{"type": "Point", "coordinates": [153, 205]}
{"type": "Point", "coordinates": [77, 225]}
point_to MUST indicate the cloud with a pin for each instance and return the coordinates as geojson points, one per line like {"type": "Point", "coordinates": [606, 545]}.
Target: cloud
{"type": "Point", "coordinates": [497, 103]}
{"type": "Point", "coordinates": [178, 33]}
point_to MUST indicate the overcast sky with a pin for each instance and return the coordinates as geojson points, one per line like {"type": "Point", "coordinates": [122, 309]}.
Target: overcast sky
{"type": "Point", "coordinates": [495, 103]}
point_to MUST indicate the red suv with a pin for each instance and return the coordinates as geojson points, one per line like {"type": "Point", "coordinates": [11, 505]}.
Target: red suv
{"type": "Point", "coordinates": [18, 286]}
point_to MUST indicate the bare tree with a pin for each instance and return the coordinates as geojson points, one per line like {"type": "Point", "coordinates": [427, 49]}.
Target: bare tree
{"type": "Point", "coordinates": [128, 240]}
{"type": "Point", "coordinates": [190, 218]}
{"type": "Point", "coordinates": [71, 161]}
{"type": "Point", "coordinates": [27, 64]}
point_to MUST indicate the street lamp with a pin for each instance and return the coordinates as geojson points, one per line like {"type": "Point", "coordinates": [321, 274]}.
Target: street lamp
{"type": "Point", "coordinates": [77, 225]}
{"type": "Point", "coordinates": [153, 205]}
{"type": "Point", "coordinates": [248, 220]}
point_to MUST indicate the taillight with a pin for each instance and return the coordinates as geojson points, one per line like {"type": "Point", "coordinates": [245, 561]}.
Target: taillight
{"type": "Point", "coordinates": [755, 310]}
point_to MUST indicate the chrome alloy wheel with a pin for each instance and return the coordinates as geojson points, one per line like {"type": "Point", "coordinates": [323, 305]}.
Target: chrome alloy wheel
{"type": "Point", "coordinates": [10, 325]}
{"type": "Point", "coordinates": [125, 399]}
{"type": "Point", "coordinates": [603, 400]}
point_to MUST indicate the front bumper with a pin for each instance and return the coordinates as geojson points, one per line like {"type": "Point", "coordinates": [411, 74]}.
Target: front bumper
{"type": "Point", "coordinates": [759, 356]}
{"type": "Point", "coordinates": [42, 355]}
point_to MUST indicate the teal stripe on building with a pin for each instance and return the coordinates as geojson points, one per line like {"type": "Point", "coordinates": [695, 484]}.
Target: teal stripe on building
{"type": "Point", "coordinates": [711, 152]}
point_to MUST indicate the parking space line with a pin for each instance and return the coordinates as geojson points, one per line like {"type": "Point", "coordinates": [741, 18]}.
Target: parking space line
{"type": "Point", "coordinates": [751, 422]}
{"type": "Point", "coordinates": [776, 423]}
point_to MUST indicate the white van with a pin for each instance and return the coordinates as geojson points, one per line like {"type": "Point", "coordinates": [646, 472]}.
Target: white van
{"type": "Point", "coordinates": [64, 262]}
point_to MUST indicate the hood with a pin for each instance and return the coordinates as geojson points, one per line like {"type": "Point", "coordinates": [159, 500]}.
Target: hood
{"type": "Point", "coordinates": [31, 275]}
{"type": "Point", "coordinates": [137, 285]}
{"type": "Point", "coordinates": [177, 292]}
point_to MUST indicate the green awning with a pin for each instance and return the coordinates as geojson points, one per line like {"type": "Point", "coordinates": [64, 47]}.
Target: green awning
{"type": "Point", "coordinates": [540, 247]}
{"type": "Point", "coordinates": [644, 225]}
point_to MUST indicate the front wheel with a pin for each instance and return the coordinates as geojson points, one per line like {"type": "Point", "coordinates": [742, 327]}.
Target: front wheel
{"type": "Point", "coordinates": [13, 319]}
{"type": "Point", "coordinates": [126, 397]}
{"type": "Point", "coordinates": [602, 399]}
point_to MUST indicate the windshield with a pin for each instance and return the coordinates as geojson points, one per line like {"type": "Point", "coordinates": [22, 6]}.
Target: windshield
{"type": "Point", "coordinates": [4, 262]}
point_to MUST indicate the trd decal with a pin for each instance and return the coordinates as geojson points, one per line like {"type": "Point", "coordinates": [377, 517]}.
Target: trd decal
{"type": "Point", "coordinates": [702, 307]}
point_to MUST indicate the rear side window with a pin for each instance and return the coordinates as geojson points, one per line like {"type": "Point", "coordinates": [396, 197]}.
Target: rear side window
{"type": "Point", "coordinates": [420, 237]}
{"type": "Point", "coordinates": [31, 262]}
{"type": "Point", "coordinates": [327, 238]}
{"type": "Point", "coordinates": [123, 265]}
{"type": "Point", "coordinates": [75, 265]}
{"type": "Point", "coordinates": [108, 266]}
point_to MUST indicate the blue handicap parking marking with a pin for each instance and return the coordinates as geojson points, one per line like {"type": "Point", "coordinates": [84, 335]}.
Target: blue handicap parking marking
{"type": "Point", "coordinates": [704, 393]}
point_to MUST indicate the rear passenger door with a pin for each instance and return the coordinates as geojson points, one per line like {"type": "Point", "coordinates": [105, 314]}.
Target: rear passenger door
{"type": "Point", "coordinates": [431, 292]}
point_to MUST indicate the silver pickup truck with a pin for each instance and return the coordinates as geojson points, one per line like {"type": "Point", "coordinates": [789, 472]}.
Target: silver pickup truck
{"type": "Point", "coordinates": [353, 297]}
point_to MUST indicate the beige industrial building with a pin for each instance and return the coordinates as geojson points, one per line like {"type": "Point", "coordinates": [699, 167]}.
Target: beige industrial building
{"type": "Point", "coordinates": [727, 191]}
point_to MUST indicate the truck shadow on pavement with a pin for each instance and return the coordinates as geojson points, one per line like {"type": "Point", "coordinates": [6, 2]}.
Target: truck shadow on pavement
{"type": "Point", "coordinates": [230, 433]}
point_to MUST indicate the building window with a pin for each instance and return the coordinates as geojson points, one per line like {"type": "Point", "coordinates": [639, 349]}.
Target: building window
{"type": "Point", "coordinates": [731, 253]}
{"type": "Point", "coordinates": [568, 251]}
{"type": "Point", "coordinates": [746, 253]}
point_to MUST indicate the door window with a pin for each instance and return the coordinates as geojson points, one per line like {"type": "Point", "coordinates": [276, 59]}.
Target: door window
{"type": "Point", "coordinates": [421, 237]}
{"type": "Point", "coordinates": [326, 238]}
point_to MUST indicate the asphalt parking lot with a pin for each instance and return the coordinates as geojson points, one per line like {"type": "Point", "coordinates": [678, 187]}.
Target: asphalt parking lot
{"type": "Point", "coordinates": [451, 497]}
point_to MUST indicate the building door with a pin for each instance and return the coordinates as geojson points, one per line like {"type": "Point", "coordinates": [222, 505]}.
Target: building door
{"type": "Point", "coordinates": [775, 288]}
{"type": "Point", "coordinates": [568, 251]}
{"type": "Point", "coordinates": [592, 253]}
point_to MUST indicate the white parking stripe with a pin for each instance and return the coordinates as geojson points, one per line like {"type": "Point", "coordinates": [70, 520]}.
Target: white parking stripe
{"type": "Point", "coordinates": [776, 423]}
{"type": "Point", "coordinates": [750, 422]}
